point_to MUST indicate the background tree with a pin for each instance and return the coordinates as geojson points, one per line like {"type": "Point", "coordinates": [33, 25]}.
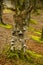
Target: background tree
{"type": "Point", "coordinates": [42, 34]}
{"type": "Point", "coordinates": [1, 12]}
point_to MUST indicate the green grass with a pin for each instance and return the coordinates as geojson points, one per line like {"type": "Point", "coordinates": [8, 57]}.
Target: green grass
{"type": "Point", "coordinates": [36, 38]}
{"type": "Point", "coordinates": [36, 32]}
{"type": "Point", "coordinates": [33, 21]}
{"type": "Point", "coordinates": [6, 26]}
{"type": "Point", "coordinates": [20, 54]}
{"type": "Point", "coordinates": [27, 58]}
{"type": "Point", "coordinates": [31, 29]}
{"type": "Point", "coordinates": [33, 54]}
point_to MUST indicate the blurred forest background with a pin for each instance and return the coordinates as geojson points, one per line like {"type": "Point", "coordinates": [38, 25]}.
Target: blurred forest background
{"type": "Point", "coordinates": [21, 32]}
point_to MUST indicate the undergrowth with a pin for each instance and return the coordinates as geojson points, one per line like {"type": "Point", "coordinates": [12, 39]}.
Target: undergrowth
{"type": "Point", "coordinates": [29, 57]}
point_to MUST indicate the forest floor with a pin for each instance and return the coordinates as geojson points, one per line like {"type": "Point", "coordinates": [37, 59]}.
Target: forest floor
{"type": "Point", "coordinates": [33, 45]}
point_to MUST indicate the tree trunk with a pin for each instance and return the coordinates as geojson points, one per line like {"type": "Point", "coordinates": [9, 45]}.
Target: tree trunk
{"type": "Point", "coordinates": [42, 34]}
{"type": "Point", "coordinates": [35, 10]}
{"type": "Point", "coordinates": [1, 12]}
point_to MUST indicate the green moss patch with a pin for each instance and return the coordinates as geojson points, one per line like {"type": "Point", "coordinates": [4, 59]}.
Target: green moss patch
{"type": "Point", "coordinates": [33, 54]}
{"type": "Point", "coordinates": [31, 28]}
{"type": "Point", "coordinates": [33, 21]}
{"type": "Point", "coordinates": [36, 32]}
{"type": "Point", "coordinates": [6, 26]}
{"type": "Point", "coordinates": [36, 38]}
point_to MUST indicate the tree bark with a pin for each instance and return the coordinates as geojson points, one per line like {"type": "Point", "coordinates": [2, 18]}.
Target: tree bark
{"type": "Point", "coordinates": [1, 12]}
{"type": "Point", "coordinates": [42, 34]}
